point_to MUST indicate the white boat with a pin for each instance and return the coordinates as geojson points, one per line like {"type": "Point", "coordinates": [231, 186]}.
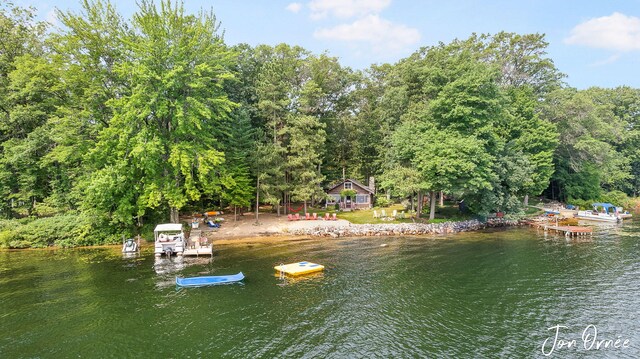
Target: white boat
{"type": "Point", "coordinates": [605, 212]}
{"type": "Point", "coordinates": [169, 239]}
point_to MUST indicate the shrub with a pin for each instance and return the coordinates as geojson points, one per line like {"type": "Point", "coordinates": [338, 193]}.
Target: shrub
{"type": "Point", "coordinates": [581, 203]}
{"type": "Point", "coordinates": [6, 236]}
{"type": "Point", "coordinates": [616, 198]}
{"type": "Point", "coordinates": [383, 202]}
{"type": "Point", "coordinates": [67, 230]}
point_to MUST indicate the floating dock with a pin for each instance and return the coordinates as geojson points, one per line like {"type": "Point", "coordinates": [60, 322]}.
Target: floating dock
{"type": "Point", "coordinates": [299, 268]}
{"type": "Point", "coordinates": [570, 231]}
{"type": "Point", "coordinates": [198, 245]}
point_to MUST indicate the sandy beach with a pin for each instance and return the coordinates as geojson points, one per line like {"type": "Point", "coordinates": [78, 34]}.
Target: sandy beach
{"type": "Point", "coordinates": [270, 228]}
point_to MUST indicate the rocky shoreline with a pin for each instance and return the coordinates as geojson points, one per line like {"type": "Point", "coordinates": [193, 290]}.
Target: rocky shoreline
{"type": "Point", "coordinates": [367, 230]}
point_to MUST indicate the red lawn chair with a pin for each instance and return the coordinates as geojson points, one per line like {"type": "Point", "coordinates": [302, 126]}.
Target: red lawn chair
{"type": "Point", "coordinates": [307, 216]}
{"type": "Point", "coordinates": [290, 217]}
{"type": "Point", "coordinates": [334, 217]}
{"type": "Point", "coordinates": [327, 216]}
{"type": "Point", "coordinates": [297, 217]}
{"type": "Point", "coordinates": [315, 217]}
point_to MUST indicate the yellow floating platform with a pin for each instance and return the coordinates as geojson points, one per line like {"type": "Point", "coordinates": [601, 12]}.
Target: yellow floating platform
{"type": "Point", "coordinates": [299, 268]}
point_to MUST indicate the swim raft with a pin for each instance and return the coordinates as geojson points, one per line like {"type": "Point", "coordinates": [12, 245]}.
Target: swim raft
{"type": "Point", "coordinates": [299, 268]}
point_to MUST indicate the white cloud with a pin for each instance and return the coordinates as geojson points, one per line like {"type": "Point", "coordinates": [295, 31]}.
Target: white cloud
{"type": "Point", "coordinates": [616, 32]}
{"type": "Point", "coordinates": [381, 34]}
{"type": "Point", "coordinates": [294, 7]}
{"type": "Point", "coordinates": [346, 8]}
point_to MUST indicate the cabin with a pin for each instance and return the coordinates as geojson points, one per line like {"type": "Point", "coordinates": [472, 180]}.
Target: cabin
{"type": "Point", "coordinates": [363, 198]}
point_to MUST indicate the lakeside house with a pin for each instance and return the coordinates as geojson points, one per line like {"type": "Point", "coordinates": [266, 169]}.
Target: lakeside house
{"type": "Point", "coordinates": [362, 199]}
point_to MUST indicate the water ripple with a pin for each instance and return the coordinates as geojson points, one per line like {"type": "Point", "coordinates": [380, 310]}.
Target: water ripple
{"type": "Point", "coordinates": [485, 294]}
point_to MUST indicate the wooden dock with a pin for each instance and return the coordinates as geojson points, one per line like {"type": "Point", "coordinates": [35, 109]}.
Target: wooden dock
{"type": "Point", "coordinates": [570, 231]}
{"type": "Point", "coordinates": [198, 245]}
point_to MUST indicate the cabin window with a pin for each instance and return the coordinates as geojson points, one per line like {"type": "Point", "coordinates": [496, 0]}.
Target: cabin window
{"type": "Point", "coordinates": [362, 198]}
{"type": "Point", "coordinates": [347, 185]}
{"type": "Point", "coordinates": [334, 198]}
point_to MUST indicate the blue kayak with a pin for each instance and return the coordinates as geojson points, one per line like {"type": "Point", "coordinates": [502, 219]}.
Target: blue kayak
{"type": "Point", "coordinates": [210, 280]}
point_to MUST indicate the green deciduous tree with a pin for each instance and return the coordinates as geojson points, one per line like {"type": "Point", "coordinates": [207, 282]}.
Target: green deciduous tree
{"type": "Point", "coordinates": [586, 156]}
{"type": "Point", "coordinates": [160, 149]}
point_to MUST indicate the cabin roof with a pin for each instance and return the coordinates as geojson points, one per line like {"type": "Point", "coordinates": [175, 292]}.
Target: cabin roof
{"type": "Point", "coordinates": [354, 182]}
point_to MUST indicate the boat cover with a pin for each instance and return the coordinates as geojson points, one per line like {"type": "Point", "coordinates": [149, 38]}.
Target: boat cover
{"type": "Point", "coordinates": [168, 227]}
{"type": "Point", "coordinates": [606, 206]}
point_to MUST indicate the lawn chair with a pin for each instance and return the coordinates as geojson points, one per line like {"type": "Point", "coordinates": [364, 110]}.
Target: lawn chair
{"type": "Point", "coordinates": [334, 217]}
{"type": "Point", "coordinates": [290, 217]}
{"type": "Point", "coordinates": [395, 213]}
{"type": "Point", "coordinates": [375, 214]}
{"type": "Point", "coordinates": [307, 216]}
{"type": "Point", "coordinates": [402, 215]}
{"type": "Point", "coordinates": [384, 214]}
{"type": "Point", "coordinates": [297, 217]}
{"type": "Point", "coordinates": [315, 216]}
{"type": "Point", "coordinates": [327, 216]}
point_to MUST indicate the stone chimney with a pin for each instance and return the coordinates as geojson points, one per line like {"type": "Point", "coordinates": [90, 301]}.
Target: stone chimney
{"type": "Point", "coordinates": [372, 184]}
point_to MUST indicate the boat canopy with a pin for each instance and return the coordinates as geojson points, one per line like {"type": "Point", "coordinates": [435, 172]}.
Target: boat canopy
{"type": "Point", "coordinates": [168, 227]}
{"type": "Point", "coordinates": [605, 206]}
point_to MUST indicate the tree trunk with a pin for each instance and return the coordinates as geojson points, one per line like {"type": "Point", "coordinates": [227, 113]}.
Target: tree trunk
{"type": "Point", "coordinates": [305, 207]}
{"type": "Point", "coordinates": [257, 197]}
{"type": "Point", "coordinates": [432, 210]}
{"type": "Point", "coordinates": [174, 215]}
{"type": "Point", "coordinates": [419, 208]}
{"type": "Point", "coordinates": [286, 203]}
{"type": "Point", "coordinates": [278, 208]}
{"type": "Point", "coordinates": [413, 207]}
{"type": "Point", "coordinates": [441, 199]}
{"type": "Point", "coordinates": [526, 200]}
{"type": "Point", "coordinates": [235, 213]}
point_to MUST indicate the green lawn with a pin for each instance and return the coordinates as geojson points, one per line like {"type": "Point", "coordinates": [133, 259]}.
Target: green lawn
{"type": "Point", "coordinates": [365, 216]}
{"type": "Point", "coordinates": [447, 213]}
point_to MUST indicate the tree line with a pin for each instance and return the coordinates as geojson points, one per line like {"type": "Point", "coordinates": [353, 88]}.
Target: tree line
{"type": "Point", "coordinates": [122, 122]}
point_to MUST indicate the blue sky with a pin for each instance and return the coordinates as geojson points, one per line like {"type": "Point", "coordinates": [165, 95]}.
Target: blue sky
{"type": "Point", "coordinates": [594, 42]}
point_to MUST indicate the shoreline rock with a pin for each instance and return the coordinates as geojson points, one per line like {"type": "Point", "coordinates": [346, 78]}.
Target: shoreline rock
{"type": "Point", "coordinates": [413, 229]}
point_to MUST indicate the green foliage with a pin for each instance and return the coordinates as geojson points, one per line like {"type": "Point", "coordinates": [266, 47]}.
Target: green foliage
{"type": "Point", "coordinates": [69, 230]}
{"type": "Point", "coordinates": [586, 158]}
{"type": "Point", "coordinates": [382, 201]}
{"type": "Point", "coordinates": [348, 193]}
{"type": "Point", "coordinates": [582, 204]}
{"type": "Point", "coordinates": [617, 198]}
{"type": "Point", "coordinates": [159, 150]}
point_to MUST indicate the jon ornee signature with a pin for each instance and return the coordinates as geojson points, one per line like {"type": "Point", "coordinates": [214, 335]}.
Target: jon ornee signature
{"type": "Point", "coordinates": [589, 340]}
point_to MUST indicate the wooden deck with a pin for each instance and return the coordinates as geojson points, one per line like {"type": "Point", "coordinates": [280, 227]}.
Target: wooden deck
{"type": "Point", "coordinates": [196, 246]}
{"type": "Point", "coordinates": [570, 231]}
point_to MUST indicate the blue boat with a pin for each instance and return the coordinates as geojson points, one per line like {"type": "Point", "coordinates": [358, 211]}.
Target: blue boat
{"type": "Point", "coordinates": [209, 280]}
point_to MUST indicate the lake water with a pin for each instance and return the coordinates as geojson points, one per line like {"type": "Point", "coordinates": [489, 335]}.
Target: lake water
{"type": "Point", "coordinates": [485, 294]}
